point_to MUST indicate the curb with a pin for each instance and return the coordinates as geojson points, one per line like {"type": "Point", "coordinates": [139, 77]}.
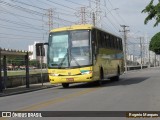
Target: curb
{"type": "Point", "coordinates": [25, 91]}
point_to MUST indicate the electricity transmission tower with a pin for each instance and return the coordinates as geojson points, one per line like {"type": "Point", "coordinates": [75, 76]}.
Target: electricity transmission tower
{"type": "Point", "coordinates": [98, 14]}
{"type": "Point", "coordinates": [83, 14]}
{"type": "Point", "coordinates": [50, 19]}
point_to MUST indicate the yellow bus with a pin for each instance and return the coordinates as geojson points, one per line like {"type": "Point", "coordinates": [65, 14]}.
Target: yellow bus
{"type": "Point", "coordinates": [83, 53]}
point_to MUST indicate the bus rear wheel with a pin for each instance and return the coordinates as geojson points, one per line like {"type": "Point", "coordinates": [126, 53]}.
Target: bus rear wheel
{"type": "Point", "coordinates": [65, 85]}
{"type": "Point", "coordinates": [116, 78]}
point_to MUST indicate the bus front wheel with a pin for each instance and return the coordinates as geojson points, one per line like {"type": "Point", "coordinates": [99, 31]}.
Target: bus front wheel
{"type": "Point", "coordinates": [65, 85]}
{"type": "Point", "coordinates": [101, 77]}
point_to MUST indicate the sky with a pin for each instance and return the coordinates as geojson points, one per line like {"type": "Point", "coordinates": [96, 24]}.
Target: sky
{"type": "Point", "coordinates": [24, 21]}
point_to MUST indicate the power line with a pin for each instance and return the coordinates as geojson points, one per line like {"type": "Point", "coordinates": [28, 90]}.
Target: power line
{"type": "Point", "coordinates": [61, 5]}
{"type": "Point", "coordinates": [28, 4]}
{"type": "Point", "coordinates": [53, 6]}
{"type": "Point", "coordinates": [97, 2]}
{"type": "Point", "coordinates": [19, 30]}
{"type": "Point", "coordinates": [112, 23]}
{"type": "Point", "coordinates": [19, 35]}
{"type": "Point", "coordinates": [20, 24]}
{"type": "Point", "coordinates": [76, 3]}
{"type": "Point", "coordinates": [24, 25]}
{"type": "Point", "coordinates": [6, 12]}
{"type": "Point", "coordinates": [22, 8]}
{"type": "Point", "coordinates": [22, 38]}
{"type": "Point", "coordinates": [117, 12]}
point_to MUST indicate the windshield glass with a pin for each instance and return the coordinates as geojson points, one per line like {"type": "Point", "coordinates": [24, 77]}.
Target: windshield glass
{"type": "Point", "coordinates": [80, 48]}
{"type": "Point", "coordinates": [69, 49]}
{"type": "Point", "coordinates": [58, 50]}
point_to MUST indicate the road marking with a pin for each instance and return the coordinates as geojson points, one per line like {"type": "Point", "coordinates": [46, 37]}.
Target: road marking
{"type": "Point", "coordinates": [57, 100]}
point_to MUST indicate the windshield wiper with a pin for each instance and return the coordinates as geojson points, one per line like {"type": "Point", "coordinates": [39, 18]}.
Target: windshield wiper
{"type": "Point", "coordinates": [60, 65]}
{"type": "Point", "coordinates": [74, 60]}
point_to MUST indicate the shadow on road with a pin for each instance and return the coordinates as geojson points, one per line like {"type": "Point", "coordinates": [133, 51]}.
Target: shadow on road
{"type": "Point", "coordinates": [129, 81]}
{"type": "Point", "coordinates": [106, 83]}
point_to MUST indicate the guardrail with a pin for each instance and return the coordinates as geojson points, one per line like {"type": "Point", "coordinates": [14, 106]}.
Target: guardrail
{"type": "Point", "coordinates": [19, 80]}
{"type": "Point", "coordinates": [136, 67]}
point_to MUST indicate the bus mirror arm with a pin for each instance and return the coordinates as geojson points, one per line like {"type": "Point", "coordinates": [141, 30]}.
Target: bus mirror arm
{"type": "Point", "coordinates": [45, 43]}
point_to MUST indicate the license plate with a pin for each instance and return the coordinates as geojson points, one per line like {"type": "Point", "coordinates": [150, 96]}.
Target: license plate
{"type": "Point", "coordinates": [70, 79]}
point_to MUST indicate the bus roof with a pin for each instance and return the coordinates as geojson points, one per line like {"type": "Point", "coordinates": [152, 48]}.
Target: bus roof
{"type": "Point", "coordinates": [73, 27]}
{"type": "Point", "coordinates": [79, 27]}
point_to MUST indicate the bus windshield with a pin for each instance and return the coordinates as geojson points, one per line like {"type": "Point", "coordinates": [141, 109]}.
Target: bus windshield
{"type": "Point", "coordinates": [69, 49]}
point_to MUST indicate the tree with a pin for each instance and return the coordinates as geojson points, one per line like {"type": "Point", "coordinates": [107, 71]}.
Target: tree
{"type": "Point", "coordinates": [153, 12]}
{"type": "Point", "coordinates": [155, 43]}
{"type": "Point", "coordinates": [16, 61]}
{"type": "Point", "coordinates": [34, 63]}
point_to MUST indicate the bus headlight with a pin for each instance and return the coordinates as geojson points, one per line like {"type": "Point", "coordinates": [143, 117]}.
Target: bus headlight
{"type": "Point", "coordinates": [53, 74]}
{"type": "Point", "coordinates": [86, 72]}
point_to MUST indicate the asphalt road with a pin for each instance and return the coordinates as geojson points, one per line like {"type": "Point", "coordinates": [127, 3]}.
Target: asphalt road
{"type": "Point", "coordinates": [136, 91]}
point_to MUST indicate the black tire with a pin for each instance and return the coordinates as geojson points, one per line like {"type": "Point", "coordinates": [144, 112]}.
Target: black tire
{"type": "Point", "coordinates": [118, 71]}
{"type": "Point", "coordinates": [65, 85]}
{"type": "Point", "coordinates": [116, 78]}
{"type": "Point", "coordinates": [99, 82]}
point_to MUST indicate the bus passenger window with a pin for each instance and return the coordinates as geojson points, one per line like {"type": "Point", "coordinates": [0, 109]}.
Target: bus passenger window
{"type": "Point", "coordinates": [107, 40]}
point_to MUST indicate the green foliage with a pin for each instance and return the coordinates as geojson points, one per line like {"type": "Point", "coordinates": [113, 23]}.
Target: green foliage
{"type": "Point", "coordinates": [20, 61]}
{"type": "Point", "coordinates": [16, 61]}
{"type": "Point", "coordinates": [34, 63]}
{"type": "Point", "coordinates": [155, 43]}
{"type": "Point", "coordinates": [153, 12]}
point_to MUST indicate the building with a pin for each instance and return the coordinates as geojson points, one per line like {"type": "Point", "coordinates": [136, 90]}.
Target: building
{"type": "Point", "coordinates": [32, 48]}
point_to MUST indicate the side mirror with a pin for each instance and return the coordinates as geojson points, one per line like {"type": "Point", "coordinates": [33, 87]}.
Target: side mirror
{"type": "Point", "coordinates": [40, 51]}
{"type": "Point", "coordinates": [45, 44]}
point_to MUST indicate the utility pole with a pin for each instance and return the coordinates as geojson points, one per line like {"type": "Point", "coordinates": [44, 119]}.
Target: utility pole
{"type": "Point", "coordinates": [141, 51]}
{"type": "Point", "coordinates": [149, 59]}
{"type": "Point", "coordinates": [149, 65]}
{"type": "Point", "coordinates": [125, 45]}
{"type": "Point", "coordinates": [155, 61]}
{"type": "Point", "coordinates": [50, 18]}
{"type": "Point", "coordinates": [41, 57]}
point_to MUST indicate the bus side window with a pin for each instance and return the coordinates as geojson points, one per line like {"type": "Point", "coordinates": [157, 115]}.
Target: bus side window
{"type": "Point", "coordinates": [100, 39]}
{"type": "Point", "coordinates": [94, 43]}
{"type": "Point", "coordinates": [107, 40]}
{"type": "Point", "coordinates": [121, 46]}
{"type": "Point", "coordinates": [103, 40]}
{"type": "Point", "coordinates": [114, 45]}
{"type": "Point", "coordinates": [111, 41]}
{"type": "Point", "coordinates": [118, 44]}
{"type": "Point", "coordinates": [118, 40]}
